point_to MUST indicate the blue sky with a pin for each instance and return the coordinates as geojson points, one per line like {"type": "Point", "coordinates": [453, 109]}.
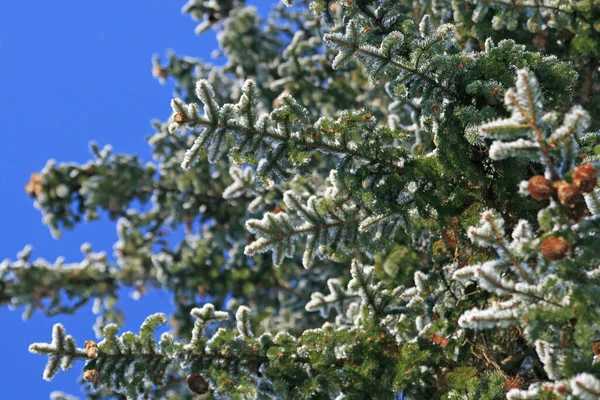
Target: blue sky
{"type": "Point", "coordinates": [72, 72]}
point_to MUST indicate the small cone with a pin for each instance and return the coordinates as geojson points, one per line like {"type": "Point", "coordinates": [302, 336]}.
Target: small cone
{"type": "Point", "coordinates": [91, 348]}
{"type": "Point", "coordinates": [197, 384]}
{"type": "Point", "coordinates": [596, 348]}
{"type": "Point", "coordinates": [555, 248]}
{"type": "Point", "coordinates": [179, 118]}
{"type": "Point", "coordinates": [158, 71]}
{"type": "Point", "coordinates": [584, 178]}
{"type": "Point", "coordinates": [578, 212]}
{"type": "Point", "coordinates": [91, 375]}
{"type": "Point", "coordinates": [540, 188]}
{"type": "Point", "coordinates": [35, 186]}
{"type": "Point", "coordinates": [568, 195]}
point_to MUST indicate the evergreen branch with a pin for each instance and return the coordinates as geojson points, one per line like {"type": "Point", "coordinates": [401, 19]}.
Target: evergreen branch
{"type": "Point", "coordinates": [593, 202]}
{"type": "Point", "coordinates": [61, 352]}
{"type": "Point", "coordinates": [447, 285]}
{"type": "Point", "coordinates": [546, 353]}
{"type": "Point", "coordinates": [366, 11]}
{"type": "Point", "coordinates": [332, 224]}
{"type": "Point", "coordinates": [337, 299]}
{"type": "Point", "coordinates": [533, 120]}
{"type": "Point", "coordinates": [363, 281]}
{"type": "Point", "coordinates": [509, 13]}
{"type": "Point", "coordinates": [278, 235]}
{"type": "Point", "coordinates": [482, 319]}
{"type": "Point", "coordinates": [527, 117]}
{"type": "Point", "coordinates": [575, 123]}
{"type": "Point", "coordinates": [138, 358]}
{"type": "Point", "coordinates": [203, 198]}
{"type": "Point", "coordinates": [269, 134]}
{"type": "Point", "coordinates": [30, 283]}
{"type": "Point", "coordinates": [511, 289]}
{"type": "Point", "coordinates": [585, 385]}
{"type": "Point", "coordinates": [428, 45]}
{"type": "Point", "coordinates": [522, 4]}
{"type": "Point", "coordinates": [497, 238]}
{"type": "Point", "coordinates": [354, 48]}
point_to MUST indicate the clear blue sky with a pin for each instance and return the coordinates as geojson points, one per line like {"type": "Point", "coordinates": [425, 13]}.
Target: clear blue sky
{"type": "Point", "coordinates": [71, 72]}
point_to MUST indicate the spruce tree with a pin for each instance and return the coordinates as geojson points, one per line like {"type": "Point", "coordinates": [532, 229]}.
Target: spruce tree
{"type": "Point", "coordinates": [381, 198]}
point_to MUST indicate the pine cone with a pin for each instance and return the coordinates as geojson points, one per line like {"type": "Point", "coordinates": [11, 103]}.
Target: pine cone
{"type": "Point", "coordinates": [35, 185]}
{"type": "Point", "coordinates": [91, 348]}
{"type": "Point", "coordinates": [584, 178]}
{"type": "Point", "coordinates": [596, 348]}
{"type": "Point", "coordinates": [180, 118]}
{"type": "Point", "coordinates": [158, 72]}
{"type": "Point", "coordinates": [568, 195]}
{"type": "Point", "coordinates": [555, 248]}
{"type": "Point", "coordinates": [540, 188]}
{"type": "Point", "coordinates": [91, 375]}
{"type": "Point", "coordinates": [197, 384]}
{"type": "Point", "coordinates": [578, 212]}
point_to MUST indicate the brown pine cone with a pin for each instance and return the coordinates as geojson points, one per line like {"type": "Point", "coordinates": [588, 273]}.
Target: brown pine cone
{"type": "Point", "coordinates": [578, 212]}
{"type": "Point", "coordinates": [158, 71]}
{"type": "Point", "coordinates": [584, 178]}
{"type": "Point", "coordinates": [91, 348]}
{"type": "Point", "coordinates": [540, 188]}
{"type": "Point", "coordinates": [91, 375]}
{"type": "Point", "coordinates": [35, 185]}
{"type": "Point", "coordinates": [555, 248]}
{"type": "Point", "coordinates": [568, 195]}
{"type": "Point", "coordinates": [197, 384]}
{"type": "Point", "coordinates": [180, 118]}
{"type": "Point", "coordinates": [596, 348]}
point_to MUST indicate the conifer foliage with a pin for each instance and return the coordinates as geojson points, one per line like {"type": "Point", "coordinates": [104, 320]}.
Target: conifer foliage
{"type": "Point", "coordinates": [381, 198]}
